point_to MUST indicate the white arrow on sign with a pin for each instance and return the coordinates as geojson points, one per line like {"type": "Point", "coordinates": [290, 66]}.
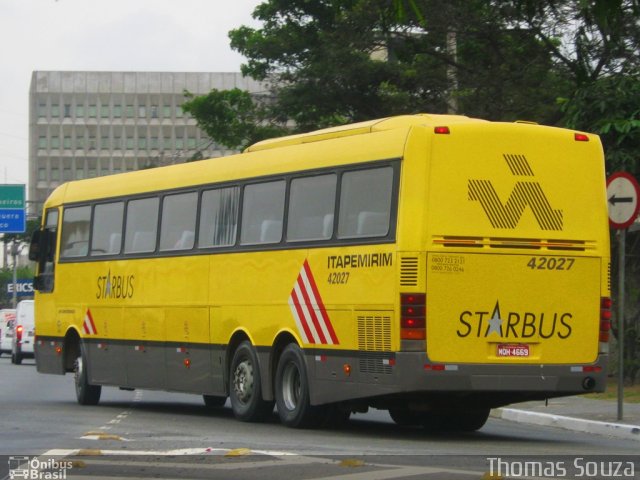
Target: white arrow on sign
{"type": "Point", "coordinates": [622, 195]}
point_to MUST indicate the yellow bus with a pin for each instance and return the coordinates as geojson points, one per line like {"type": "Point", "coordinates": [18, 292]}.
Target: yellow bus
{"type": "Point", "coordinates": [435, 266]}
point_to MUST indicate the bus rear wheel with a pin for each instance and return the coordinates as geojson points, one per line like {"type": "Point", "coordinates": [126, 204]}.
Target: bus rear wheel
{"type": "Point", "coordinates": [292, 392]}
{"type": "Point", "coordinates": [86, 394]}
{"type": "Point", "coordinates": [245, 391]}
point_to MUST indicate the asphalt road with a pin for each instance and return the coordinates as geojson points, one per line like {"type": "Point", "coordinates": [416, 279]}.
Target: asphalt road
{"type": "Point", "coordinates": [146, 434]}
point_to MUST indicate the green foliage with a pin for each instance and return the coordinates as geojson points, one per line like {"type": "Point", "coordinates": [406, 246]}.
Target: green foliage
{"type": "Point", "coordinates": [231, 117]}
{"type": "Point", "coordinates": [610, 107]}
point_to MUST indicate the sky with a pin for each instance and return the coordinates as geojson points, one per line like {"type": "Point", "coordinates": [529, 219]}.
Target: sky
{"type": "Point", "coordinates": [105, 35]}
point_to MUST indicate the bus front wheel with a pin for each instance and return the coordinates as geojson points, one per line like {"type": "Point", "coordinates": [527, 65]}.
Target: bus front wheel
{"type": "Point", "coordinates": [245, 391]}
{"type": "Point", "coordinates": [292, 391]}
{"type": "Point", "coordinates": [86, 394]}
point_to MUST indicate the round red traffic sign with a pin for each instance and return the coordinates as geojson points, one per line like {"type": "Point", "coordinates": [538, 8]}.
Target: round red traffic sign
{"type": "Point", "coordinates": [622, 197]}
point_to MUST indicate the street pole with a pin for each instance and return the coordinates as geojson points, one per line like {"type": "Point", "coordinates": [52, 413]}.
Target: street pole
{"type": "Point", "coordinates": [14, 255]}
{"type": "Point", "coordinates": [622, 234]}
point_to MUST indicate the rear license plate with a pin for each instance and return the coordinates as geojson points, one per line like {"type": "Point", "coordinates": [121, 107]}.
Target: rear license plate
{"type": "Point", "coordinates": [506, 350]}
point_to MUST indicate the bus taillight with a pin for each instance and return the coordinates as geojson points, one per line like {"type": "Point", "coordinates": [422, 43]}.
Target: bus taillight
{"type": "Point", "coordinates": [605, 319]}
{"type": "Point", "coordinates": [413, 316]}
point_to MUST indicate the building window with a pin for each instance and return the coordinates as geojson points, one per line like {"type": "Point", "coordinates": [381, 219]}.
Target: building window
{"type": "Point", "coordinates": [79, 111]}
{"type": "Point", "coordinates": [117, 111]}
{"type": "Point", "coordinates": [55, 142]}
{"type": "Point", "coordinates": [66, 143]}
{"type": "Point", "coordinates": [55, 174]}
{"type": "Point", "coordinates": [153, 143]}
{"type": "Point", "coordinates": [142, 111]}
{"type": "Point", "coordinates": [42, 110]}
{"type": "Point", "coordinates": [179, 144]}
{"type": "Point", "coordinates": [179, 112]}
{"type": "Point", "coordinates": [130, 111]}
{"type": "Point", "coordinates": [93, 111]}
{"type": "Point", "coordinates": [142, 143]}
{"type": "Point", "coordinates": [154, 111]}
{"type": "Point", "coordinates": [104, 143]}
{"type": "Point", "coordinates": [42, 174]}
{"type": "Point", "coordinates": [130, 143]}
{"type": "Point", "coordinates": [67, 174]}
{"type": "Point", "coordinates": [67, 110]}
{"type": "Point", "coordinates": [191, 143]}
{"type": "Point", "coordinates": [166, 111]}
{"type": "Point", "coordinates": [80, 141]}
{"type": "Point", "coordinates": [55, 110]}
{"type": "Point", "coordinates": [79, 173]}
{"type": "Point", "coordinates": [42, 142]}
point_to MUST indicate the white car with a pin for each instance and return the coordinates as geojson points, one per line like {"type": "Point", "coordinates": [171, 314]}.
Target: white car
{"type": "Point", "coordinates": [7, 319]}
{"type": "Point", "coordinates": [23, 333]}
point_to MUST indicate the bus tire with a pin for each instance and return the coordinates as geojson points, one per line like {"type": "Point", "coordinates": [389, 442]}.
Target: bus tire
{"type": "Point", "coordinates": [214, 401]}
{"type": "Point", "coordinates": [86, 394]}
{"type": "Point", "coordinates": [245, 391]}
{"type": "Point", "coordinates": [16, 357]}
{"type": "Point", "coordinates": [404, 417]}
{"type": "Point", "coordinates": [292, 392]}
{"type": "Point", "coordinates": [469, 420]}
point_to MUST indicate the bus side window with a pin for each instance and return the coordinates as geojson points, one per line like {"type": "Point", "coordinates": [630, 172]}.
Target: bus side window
{"type": "Point", "coordinates": [75, 232]}
{"type": "Point", "coordinates": [219, 217]}
{"type": "Point", "coordinates": [262, 213]}
{"type": "Point", "coordinates": [142, 225]}
{"type": "Point", "coordinates": [361, 213]}
{"type": "Point", "coordinates": [107, 229]}
{"type": "Point", "coordinates": [311, 205]}
{"type": "Point", "coordinates": [178, 221]}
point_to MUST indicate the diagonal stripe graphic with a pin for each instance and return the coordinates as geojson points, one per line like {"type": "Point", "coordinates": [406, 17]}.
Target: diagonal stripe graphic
{"type": "Point", "coordinates": [308, 310]}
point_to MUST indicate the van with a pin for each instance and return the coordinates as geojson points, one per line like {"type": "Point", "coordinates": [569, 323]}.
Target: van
{"type": "Point", "coordinates": [7, 319]}
{"type": "Point", "coordinates": [24, 333]}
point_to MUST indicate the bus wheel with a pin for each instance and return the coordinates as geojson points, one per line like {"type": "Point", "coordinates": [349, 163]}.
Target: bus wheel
{"type": "Point", "coordinates": [214, 401]}
{"type": "Point", "coordinates": [16, 357]}
{"type": "Point", "coordinates": [292, 392]}
{"type": "Point", "coordinates": [469, 420]}
{"type": "Point", "coordinates": [245, 391]}
{"type": "Point", "coordinates": [404, 416]}
{"type": "Point", "coordinates": [86, 394]}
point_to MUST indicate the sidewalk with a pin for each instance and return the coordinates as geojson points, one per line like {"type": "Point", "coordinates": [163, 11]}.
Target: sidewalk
{"type": "Point", "coordinates": [579, 414]}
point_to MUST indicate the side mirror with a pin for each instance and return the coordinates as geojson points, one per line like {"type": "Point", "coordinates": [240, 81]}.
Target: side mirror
{"type": "Point", "coordinates": [35, 247]}
{"type": "Point", "coordinates": [42, 246]}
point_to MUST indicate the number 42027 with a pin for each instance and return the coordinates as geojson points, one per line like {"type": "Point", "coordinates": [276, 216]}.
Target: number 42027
{"type": "Point", "coordinates": [551, 263]}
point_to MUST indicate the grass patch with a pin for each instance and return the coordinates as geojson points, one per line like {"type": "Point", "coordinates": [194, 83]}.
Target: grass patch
{"type": "Point", "coordinates": [631, 393]}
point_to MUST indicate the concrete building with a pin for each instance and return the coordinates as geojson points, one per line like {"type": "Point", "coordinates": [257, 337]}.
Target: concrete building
{"type": "Point", "coordinates": [89, 124]}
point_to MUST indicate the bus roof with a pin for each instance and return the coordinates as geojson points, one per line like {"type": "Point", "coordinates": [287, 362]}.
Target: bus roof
{"type": "Point", "coordinates": [389, 123]}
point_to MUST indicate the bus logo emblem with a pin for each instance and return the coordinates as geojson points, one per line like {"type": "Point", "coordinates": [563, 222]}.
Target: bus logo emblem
{"type": "Point", "coordinates": [525, 194]}
{"type": "Point", "coordinates": [309, 312]}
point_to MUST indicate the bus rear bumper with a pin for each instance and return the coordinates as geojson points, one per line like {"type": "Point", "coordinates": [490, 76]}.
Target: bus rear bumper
{"type": "Point", "coordinates": [411, 374]}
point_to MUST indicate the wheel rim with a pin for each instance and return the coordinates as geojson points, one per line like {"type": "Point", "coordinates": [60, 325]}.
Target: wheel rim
{"type": "Point", "coordinates": [291, 386]}
{"type": "Point", "coordinates": [78, 371]}
{"type": "Point", "coordinates": [243, 381]}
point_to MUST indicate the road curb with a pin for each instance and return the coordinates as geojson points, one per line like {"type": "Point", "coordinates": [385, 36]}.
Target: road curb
{"type": "Point", "coordinates": [618, 430]}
